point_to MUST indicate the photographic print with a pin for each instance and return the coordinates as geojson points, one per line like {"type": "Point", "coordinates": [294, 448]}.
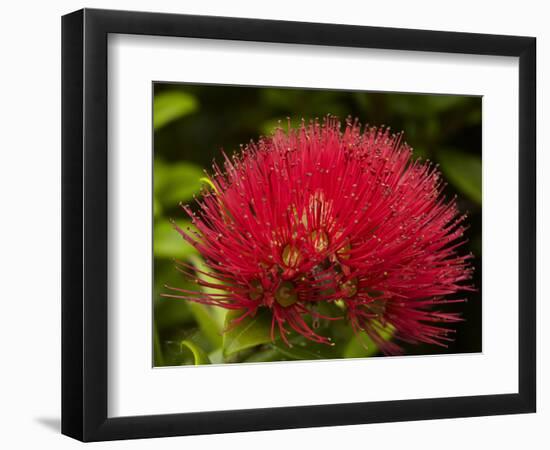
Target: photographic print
{"type": "Point", "coordinates": [296, 224]}
{"type": "Point", "coordinates": [312, 224]}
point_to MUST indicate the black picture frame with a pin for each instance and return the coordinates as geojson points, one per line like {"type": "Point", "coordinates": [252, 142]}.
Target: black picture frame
{"type": "Point", "coordinates": [84, 224]}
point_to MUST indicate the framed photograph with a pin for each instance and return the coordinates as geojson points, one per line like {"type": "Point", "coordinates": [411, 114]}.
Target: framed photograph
{"type": "Point", "coordinates": [274, 225]}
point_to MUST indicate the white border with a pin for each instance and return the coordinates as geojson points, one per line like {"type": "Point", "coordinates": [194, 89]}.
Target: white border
{"type": "Point", "coordinates": [135, 388]}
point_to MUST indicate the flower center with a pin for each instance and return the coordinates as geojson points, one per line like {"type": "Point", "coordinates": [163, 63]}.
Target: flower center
{"type": "Point", "coordinates": [286, 294]}
{"type": "Point", "coordinates": [349, 287]}
{"type": "Point", "coordinates": [320, 240]}
{"type": "Point", "coordinates": [291, 256]}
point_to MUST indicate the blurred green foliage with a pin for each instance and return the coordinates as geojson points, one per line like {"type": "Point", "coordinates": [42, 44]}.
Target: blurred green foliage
{"type": "Point", "coordinates": [171, 105]}
{"type": "Point", "coordinates": [192, 123]}
{"type": "Point", "coordinates": [463, 170]}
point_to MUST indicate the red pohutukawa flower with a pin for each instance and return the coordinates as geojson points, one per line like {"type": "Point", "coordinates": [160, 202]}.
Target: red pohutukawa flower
{"type": "Point", "coordinates": [320, 214]}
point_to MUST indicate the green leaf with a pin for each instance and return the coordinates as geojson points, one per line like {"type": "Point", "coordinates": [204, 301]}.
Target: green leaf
{"type": "Point", "coordinates": [168, 243]}
{"type": "Point", "coordinates": [463, 170]}
{"type": "Point", "coordinates": [169, 311]}
{"type": "Point", "coordinates": [209, 318]}
{"type": "Point", "coordinates": [207, 323]}
{"type": "Point", "coordinates": [362, 346]}
{"type": "Point", "coordinates": [217, 313]}
{"type": "Point", "coordinates": [199, 355]}
{"type": "Point", "coordinates": [171, 105]}
{"type": "Point", "coordinates": [250, 332]}
{"type": "Point", "coordinates": [176, 182]}
{"type": "Point", "coordinates": [216, 356]}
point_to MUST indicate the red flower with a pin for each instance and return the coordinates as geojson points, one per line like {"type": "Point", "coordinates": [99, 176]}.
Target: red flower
{"type": "Point", "coordinates": [316, 215]}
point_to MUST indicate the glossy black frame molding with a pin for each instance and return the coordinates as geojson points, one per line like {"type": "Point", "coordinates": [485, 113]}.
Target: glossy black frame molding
{"type": "Point", "coordinates": [84, 224]}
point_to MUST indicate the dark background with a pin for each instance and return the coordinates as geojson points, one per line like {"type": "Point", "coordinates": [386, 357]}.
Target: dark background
{"type": "Point", "coordinates": [194, 122]}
